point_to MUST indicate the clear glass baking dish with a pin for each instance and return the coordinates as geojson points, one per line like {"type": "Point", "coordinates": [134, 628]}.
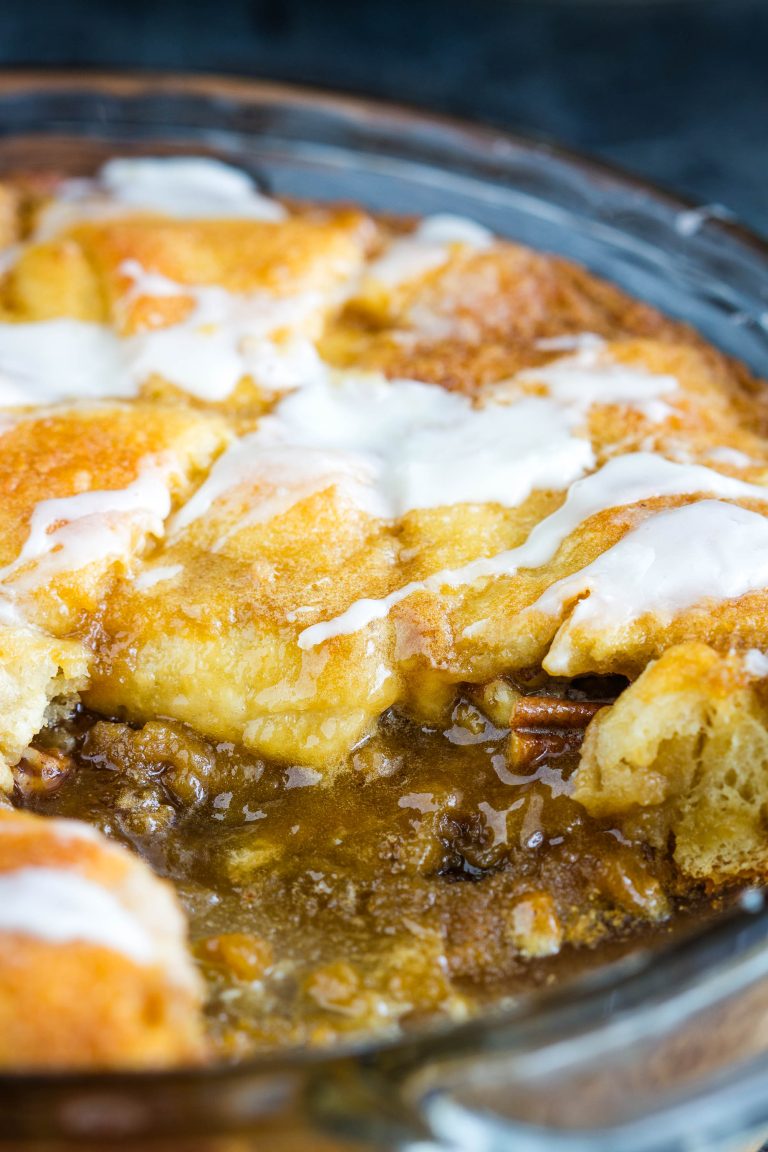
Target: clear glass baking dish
{"type": "Point", "coordinates": [663, 1051]}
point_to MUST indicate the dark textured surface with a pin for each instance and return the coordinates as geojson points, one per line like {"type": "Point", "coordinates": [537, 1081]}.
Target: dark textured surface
{"type": "Point", "coordinates": [674, 90]}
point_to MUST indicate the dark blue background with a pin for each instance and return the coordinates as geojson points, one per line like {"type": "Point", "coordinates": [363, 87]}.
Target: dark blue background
{"type": "Point", "coordinates": [676, 90]}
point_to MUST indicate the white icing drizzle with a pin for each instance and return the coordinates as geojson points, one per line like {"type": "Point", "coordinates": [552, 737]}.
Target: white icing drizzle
{"type": "Point", "coordinates": [674, 560]}
{"type": "Point", "coordinates": [625, 480]}
{"type": "Point", "coordinates": [188, 186]}
{"type": "Point", "coordinates": [591, 376]}
{"type": "Point", "coordinates": [150, 577]}
{"type": "Point", "coordinates": [62, 907]}
{"type": "Point", "coordinates": [428, 247]}
{"type": "Point", "coordinates": [184, 187]}
{"type": "Point", "coordinates": [281, 476]}
{"type": "Point", "coordinates": [756, 662]}
{"type": "Point", "coordinates": [570, 342]}
{"type": "Point", "coordinates": [224, 338]}
{"type": "Point", "coordinates": [12, 617]}
{"type": "Point", "coordinates": [391, 447]}
{"type": "Point", "coordinates": [58, 359]}
{"type": "Point", "coordinates": [70, 532]}
{"type": "Point", "coordinates": [730, 456]}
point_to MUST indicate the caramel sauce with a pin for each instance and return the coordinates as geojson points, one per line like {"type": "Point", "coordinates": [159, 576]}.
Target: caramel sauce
{"type": "Point", "coordinates": [438, 872]}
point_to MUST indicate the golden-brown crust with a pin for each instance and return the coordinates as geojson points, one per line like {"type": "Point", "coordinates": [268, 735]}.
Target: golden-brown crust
{"type": "Point", "coordinates": [82, 274]}
{"type": "Point", "coordinates": [215, 643]}
{"type": "Point", "coordinates": [84, 1008]}
{"type": "Point", "coordinates": [69, 452]}
{"type": "Point", "coordinates": [77, 1003]}
{"type": "Point", "coordinates": [687, 742]}
{"type": "Point", "coordinates": [237, 601]}
{"type": "Point", "coordinates": [41, 678]}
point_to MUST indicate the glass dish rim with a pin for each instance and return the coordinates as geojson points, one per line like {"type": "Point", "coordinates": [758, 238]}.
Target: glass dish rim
{"type": "Point", "coordinates": [20, 79]}
{"type": "Point", "coordinates": [128, 83]}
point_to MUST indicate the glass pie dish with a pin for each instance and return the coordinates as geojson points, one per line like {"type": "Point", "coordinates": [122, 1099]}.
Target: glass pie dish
{"type": "Point", "coordinates": [660, 1050]}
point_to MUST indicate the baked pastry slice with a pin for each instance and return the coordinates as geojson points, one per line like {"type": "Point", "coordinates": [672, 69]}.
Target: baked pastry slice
{"type": "Point", "coordinates": [85, 490]}
{"type": "Point", "coordinates": [41, 679]}
{"type": "Point", "coordinates": [340, 535]}
{"type": "Point", "coordinates": [376, 543]}
{"type": "Point", "coordinates": [218, 309]}
{"type": "Point", "coordinates": [684, 751]}
{"type": "Point", "coordinates": [94, 970]}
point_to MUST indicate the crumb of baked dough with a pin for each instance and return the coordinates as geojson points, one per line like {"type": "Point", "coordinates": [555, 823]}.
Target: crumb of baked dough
{"type": "Point", "coordinates": [689, 741]}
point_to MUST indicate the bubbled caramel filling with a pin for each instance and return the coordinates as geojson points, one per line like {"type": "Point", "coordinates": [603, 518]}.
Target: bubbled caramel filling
{"type": "Point", "coordinates": [438, 871]}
